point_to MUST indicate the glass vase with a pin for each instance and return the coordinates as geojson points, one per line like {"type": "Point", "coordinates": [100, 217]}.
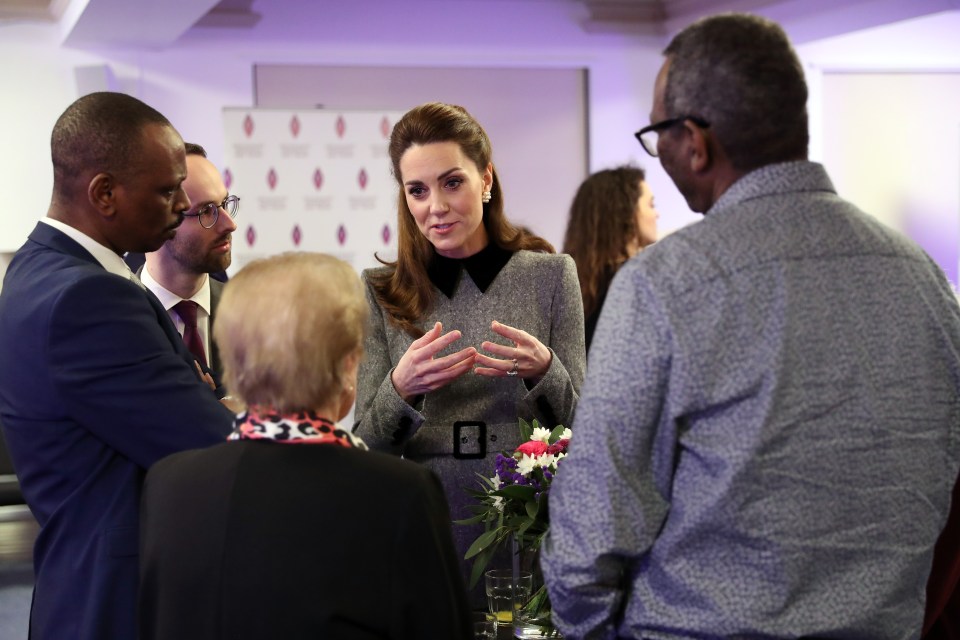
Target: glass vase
{"type": "Point", "coordinates": [532, 617]}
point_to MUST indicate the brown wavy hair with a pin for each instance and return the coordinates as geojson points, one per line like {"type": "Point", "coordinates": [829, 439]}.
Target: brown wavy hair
{"type": "Point", "coordinates": [404, 290]}
{"type": "Point", "coordinates": [602, 226]}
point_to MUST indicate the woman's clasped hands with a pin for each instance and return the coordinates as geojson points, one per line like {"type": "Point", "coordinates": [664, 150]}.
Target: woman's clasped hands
{"type": "Point", "coordinates": [419, 371]}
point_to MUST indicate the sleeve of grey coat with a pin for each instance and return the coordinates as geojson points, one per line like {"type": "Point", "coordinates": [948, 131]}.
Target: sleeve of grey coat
{"type": "Point", "coordinates": [554, 399]}
{"type": "Point", "coordinates": [384, 420]}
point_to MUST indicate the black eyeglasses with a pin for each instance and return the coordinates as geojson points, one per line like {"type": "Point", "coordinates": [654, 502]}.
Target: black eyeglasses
{"type": "Point", "coordinates": [648, 135]}
{"type": "Point", "coordinates": [208, 214]}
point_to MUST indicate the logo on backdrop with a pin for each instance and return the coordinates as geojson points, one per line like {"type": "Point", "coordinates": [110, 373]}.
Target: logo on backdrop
{"type": "Point", "coordinates": [317, 152]}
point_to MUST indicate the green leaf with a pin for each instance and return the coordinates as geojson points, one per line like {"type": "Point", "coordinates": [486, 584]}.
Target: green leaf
{"type": "Point", "coordinates": [556, 433]}
{"type": "Point", "coordinates": [477, 519]}
{"type": "Point", "coordinates": [522, 529]}
{"type": "Point", "coordinates": [480, 564]}
{"type": "Point", "coordinates": [481, 543]}
{"type": "Point", "coordinates": [526, 430]}
{"type": "Point", "coordinates": [517, 491]}
{"type": "Point", "coordinates": [532, 507]}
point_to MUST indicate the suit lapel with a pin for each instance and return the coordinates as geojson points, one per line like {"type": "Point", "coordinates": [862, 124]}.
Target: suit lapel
{"type": "Point", "coordinates": [56, 240]}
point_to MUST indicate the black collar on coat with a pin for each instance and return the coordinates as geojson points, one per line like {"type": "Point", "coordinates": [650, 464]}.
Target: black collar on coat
{"type": "Point", "coordinates": [483, 267]}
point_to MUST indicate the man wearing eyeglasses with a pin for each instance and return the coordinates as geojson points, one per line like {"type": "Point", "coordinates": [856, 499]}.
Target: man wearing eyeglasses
{"type": "Point", "coordinates": [769, 430]}
{"type": "Point", "coordinates": [178, 273]}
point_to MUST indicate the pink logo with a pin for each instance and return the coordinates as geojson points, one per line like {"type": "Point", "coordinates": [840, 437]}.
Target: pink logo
{"type": "Point", "coordinates": [251, 236]}
{"type": "Point", "coordinates": [385, 127]}
{"type": "Point", "coordinates": [385, 234]}
{"type": "Point", "coordinates": [227, 178]}
{"type": "Point", "coordinates": [341, 234]}
{"type": "Point", "coordinates": [317, 179]}
{"type": "Point", "coordinates": [341, 126]}
{"type": "Point", "coordinates": [297, 236]}
{"type": "Point", "coordinates": [362, 179]}
{"type": "Point", "coordinates": [248, 125]}
{"type": "Point", "coordinates": [295, 126]}
{"type": "Point", "coordinates": [272, 178]}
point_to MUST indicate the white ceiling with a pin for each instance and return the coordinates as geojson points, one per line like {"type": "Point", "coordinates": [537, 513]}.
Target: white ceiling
{"type": "Point", "coordinates": [155, 24]}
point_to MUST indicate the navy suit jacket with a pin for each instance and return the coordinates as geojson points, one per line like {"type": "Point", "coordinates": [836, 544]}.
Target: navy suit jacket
{"type": "Point", "coordinates": [95, 386]}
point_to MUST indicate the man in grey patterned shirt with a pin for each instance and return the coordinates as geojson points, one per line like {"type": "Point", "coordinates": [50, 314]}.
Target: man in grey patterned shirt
{"type": "Point", "coordinates": [769, 431]}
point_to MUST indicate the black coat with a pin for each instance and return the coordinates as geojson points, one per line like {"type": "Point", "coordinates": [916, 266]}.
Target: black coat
{"type": "Point", "coordinates": [257, 539]}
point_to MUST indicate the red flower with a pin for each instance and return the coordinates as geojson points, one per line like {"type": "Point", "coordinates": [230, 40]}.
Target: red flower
{"type": "Point", "coordinates": [559, 447]}
{"type": "Point", "coordinates": [533, 448]}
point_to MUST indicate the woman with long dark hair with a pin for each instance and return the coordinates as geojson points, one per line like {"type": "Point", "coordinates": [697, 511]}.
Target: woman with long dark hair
{"type": "Point", "coordinates": [476, 324]}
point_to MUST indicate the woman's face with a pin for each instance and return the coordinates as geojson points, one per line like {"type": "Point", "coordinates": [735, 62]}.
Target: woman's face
{"type": "Point", "coordinates": [646, 215]}
{"type": "Point", "coordinates": [443, 188]}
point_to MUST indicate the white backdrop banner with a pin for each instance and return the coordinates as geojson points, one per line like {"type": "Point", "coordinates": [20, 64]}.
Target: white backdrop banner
{"type": "Point", "coordinates": [311, 180]}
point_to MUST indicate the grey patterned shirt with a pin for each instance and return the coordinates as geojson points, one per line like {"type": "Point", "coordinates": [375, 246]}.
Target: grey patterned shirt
{"type": "Point", "coordinates": [768, 434]}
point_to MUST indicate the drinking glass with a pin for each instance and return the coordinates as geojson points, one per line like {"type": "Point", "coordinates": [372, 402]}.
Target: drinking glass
{"type": "Point", "coordinates": [506, 593]}
{"type": "Point", "coordinates": [484, 625]}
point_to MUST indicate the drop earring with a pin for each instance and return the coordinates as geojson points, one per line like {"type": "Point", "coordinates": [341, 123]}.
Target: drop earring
{"type": "Point", "coordinates": [486, 196]}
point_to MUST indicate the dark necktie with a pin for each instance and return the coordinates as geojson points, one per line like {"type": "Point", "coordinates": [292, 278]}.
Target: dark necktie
{"type": "Point", "coordinates": [187, 310]}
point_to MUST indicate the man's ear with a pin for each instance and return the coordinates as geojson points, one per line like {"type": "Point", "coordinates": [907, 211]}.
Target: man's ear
{"type": "Point", "coordinates": [700, 151]}
{"type": "Point", "coordinates": [101, 192]}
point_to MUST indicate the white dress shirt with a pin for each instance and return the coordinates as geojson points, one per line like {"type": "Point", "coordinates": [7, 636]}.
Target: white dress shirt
{"type": "Point", "coordinates": [105, 256]}
{"type": "Point", "coordinates": [168, 299]}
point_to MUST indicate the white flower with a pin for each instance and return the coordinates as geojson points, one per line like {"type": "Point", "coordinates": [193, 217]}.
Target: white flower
{"type": "Point", "coordinates": [497, 482]}
{"type": "Point", "coordinates": [546, 460]}
{"type": "Point", "coordinates": [498, 502]}
{"type": "Point", "coordinates": [566, 435]}
{"type": "Point", "coordinates": [526, 465]}
{"type": "Point", "coordinates": [541, 434]}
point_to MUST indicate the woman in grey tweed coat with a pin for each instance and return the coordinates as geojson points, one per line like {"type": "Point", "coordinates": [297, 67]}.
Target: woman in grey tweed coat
{"type": "Point", "coordinates": [475, 325]}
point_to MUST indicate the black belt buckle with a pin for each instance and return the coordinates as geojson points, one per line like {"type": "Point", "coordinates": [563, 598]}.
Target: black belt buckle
{"type": "Point", "coordinates": [458, 440]}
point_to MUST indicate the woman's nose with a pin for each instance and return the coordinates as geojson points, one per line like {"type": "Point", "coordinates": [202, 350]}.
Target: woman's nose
{"type": "Point", "coordinates": [438, 204]}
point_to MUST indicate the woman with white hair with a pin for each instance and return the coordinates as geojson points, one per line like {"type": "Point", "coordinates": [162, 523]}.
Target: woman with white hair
{"type": "Point", "coordinates": [292, 529]}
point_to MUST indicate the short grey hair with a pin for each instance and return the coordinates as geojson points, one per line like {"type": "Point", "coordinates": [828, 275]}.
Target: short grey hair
{"type": "Point", "coordinates": [740, 73]}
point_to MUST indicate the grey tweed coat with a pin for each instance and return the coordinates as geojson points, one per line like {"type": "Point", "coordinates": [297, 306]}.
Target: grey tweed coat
{"type": "Point", "coordinates": [535, 292]}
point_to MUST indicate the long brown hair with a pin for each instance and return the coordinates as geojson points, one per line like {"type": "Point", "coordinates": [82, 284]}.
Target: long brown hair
{"type": "Point", "coordinates": [404, 290]}
{"type": "Point", "coordinates": [602, 225]}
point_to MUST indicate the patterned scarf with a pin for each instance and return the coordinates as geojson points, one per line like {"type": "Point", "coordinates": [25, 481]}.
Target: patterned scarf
{"type": "Point", "coordinates": [303, 427]}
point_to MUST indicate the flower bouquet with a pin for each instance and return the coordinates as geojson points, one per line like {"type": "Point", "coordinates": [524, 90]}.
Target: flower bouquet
{"type": "Point", "coordinates": [512, 505]}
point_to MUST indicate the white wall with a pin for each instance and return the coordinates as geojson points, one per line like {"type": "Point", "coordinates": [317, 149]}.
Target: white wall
{"type": "Point", "coordinates": [888, 126]}
{"type": "Point", "coordinates": [210, 68]}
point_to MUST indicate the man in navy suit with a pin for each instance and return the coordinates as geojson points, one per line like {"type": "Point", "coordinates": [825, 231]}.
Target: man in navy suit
{"type": "Point", "coordinates": [181, 270]}
{"type": "Point", "coordinates": [96, 384]}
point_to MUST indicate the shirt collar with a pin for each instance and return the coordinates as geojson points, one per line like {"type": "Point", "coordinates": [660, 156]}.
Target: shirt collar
{"type": "Point", "coordinates": [105, 256]}
{"type": "Point", "coordinates": [482, 267]}
{"type": "Point", "coordinates": [168, 299]}
{"type": "Point", "coordinates": [779, 178]}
